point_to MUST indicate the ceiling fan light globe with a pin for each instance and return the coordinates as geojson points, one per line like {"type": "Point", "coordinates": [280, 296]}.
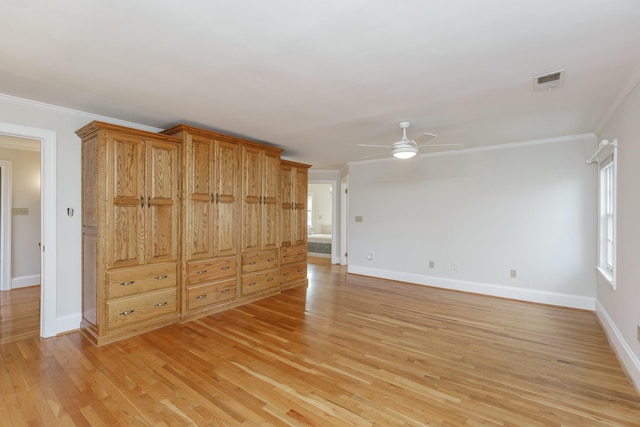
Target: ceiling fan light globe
{"type": "Point", "coordinates": [404, 152]}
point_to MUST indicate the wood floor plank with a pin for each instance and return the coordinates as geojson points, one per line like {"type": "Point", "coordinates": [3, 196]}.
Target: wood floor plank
{"type": "Point", "coordinates": [346, 350]}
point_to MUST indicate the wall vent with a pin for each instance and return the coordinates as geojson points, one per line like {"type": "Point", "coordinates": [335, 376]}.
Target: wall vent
{"type": "Point", "coordinates": [548, 81]}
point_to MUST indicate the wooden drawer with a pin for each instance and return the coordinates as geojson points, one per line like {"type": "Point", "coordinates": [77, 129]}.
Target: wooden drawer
{"type": "Point", "coordinates": [135, 280]}
{"type": "Point", "coordinates": [293, 272]}
{"type": "Point", "coordinates": [258, 261]}
{"type": "Point", "coordinates": [202, 295]}
{"type": "Point", "coordinates": [132, 310]}
{"type": "Point", "coordinates": [211, 270]}
{"type": "Point", "coordinates": [260, 282]}
{"type": "Point", "coordinates": [291, 254]}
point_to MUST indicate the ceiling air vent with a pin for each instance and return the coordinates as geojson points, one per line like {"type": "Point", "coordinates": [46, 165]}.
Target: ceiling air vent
{"type": "Point", "coordinates": [548, 81]}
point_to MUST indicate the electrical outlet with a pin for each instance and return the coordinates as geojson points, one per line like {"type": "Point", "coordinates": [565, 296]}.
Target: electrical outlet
{"type": "Point", "coordinates": [358, 218]}
{"type": "Point", "coordinates": [514, 273]}
{"type": "Point", "coordinates": [20, 211]}
{"type": "Point", "coordinates": [456, 267]}
{"type": "Point", "coordinates": [432, 264]}
{"type": "Point", "coordinates": [369, 257]}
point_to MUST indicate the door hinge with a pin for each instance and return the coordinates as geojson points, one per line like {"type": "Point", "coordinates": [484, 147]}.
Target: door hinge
{"type": "Point", "coordinates": [346, 191]}
{"type": "Point", "coordinates": [345, 254]}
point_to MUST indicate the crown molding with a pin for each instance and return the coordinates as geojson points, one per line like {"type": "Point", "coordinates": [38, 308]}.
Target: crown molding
{"type": "Point", "coordinates": [64, 110]}
{"type": "Point", "coordinates": [622, 97]}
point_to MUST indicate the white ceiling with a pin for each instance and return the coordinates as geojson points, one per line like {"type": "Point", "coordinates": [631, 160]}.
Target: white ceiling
{"type": "Point", "coordinates": [319, 77]}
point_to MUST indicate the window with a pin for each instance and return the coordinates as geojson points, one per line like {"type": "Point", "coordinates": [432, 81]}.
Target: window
{"type": "Point", "coordinates": [607, 220]}
{"type": "Point", "coordinates": [310, 211]}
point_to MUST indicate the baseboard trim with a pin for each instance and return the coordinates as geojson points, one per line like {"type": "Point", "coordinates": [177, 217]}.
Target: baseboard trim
{"type": "Point", "coordinates": [629, 361]}
{"type": "Point", "coordinates": [529, 295]}
{"type": "Point", "coordinates": [25, 281]}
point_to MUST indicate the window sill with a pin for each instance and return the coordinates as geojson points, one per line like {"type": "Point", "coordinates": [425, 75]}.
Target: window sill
{"type": "Point", "coordinates": [606, 275]}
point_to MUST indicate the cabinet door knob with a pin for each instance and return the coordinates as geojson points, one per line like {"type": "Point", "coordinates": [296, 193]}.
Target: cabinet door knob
{"type": "Point", "coordinates": [141, 201]}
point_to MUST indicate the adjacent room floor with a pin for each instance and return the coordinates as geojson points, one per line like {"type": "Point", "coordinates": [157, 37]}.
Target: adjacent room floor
{"type": "Point", "coordinates": [346, 350]}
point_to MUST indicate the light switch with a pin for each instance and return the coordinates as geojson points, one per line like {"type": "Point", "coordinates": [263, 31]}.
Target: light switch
{"type": "Point", "coordinates": [358, 218]}
{"type": "Point", "coordinates": [20, 211]}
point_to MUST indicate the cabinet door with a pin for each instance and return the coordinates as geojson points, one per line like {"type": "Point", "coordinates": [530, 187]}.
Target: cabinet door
{"type": "Point", "coordinates": [287, 217]}
{"type": "Point", "coordinates": [199, 235]}
{"type": "Point", "coordinates": [251, 199]}
{"type": "Point", "coordinates": [125, 204]}
{"type": "Point", "coordinates": [226, 195]}
{"type": "Point", "coordinates": [162, 201]}
{"type": "Point", "coordinates": [271, 201]}
{"type": "Point", "coordinates": [300, 207]}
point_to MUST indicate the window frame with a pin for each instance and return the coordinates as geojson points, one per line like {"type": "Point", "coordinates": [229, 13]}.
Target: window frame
{"type": "Point", "coordinates": [607, 214]}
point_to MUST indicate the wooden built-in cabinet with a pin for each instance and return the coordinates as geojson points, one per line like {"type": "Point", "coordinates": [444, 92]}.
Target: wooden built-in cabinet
{"type": "Point", "coordinates": [183, 224]}
{"type": "Point", "coordinates": [130, 231]}
{"type": "Point", "coordinates": [293, 251]}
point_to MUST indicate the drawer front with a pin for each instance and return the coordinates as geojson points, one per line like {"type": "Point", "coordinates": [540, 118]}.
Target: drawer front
{"type": "Point", "coordinates": [211, 270]}
{"type": "Point", "coordinates": [135, 280]}
{"type": "Point", "coordinates": [293, 272]}
{"type": "Point", "coordinates": [260, 282]}
{"type": "Point", "coordinates": [258, 261]}
{"type": "Point", "coordinates": [133, 310]}
{"type": "Point", "coordinates": [203, 295]}
{"type": "Point", "coordinates": [291, 254]}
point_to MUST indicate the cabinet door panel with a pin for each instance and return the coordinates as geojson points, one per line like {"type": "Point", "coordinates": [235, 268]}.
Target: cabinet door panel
{"type": "Point", "coordinates": [286, 237]}
{"type": "Point", "coordinates": [227, 185]}
{"type": "Point", "coordinates": [271, 206]}
{"type": "Point", "coordinates": [125, 190]}
{"type": "Point", "coordinates": [199, 184]}
{"type": "Point", "coordinates": [270, 225]}
{"type": "Point", "coordinates": [251, 199]}
{"type": "Point", "coordinates": [162, 201]}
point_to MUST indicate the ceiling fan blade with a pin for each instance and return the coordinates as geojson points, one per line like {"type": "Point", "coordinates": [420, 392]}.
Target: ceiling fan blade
{"type": "Point", "coordinates": [440, 145]}
{"type": "Point", "coordinates": [424, 137]}
{"type": "Point", "coordinates": [376, 146]}
{"type": "Point", "coordinates": [368, 156]}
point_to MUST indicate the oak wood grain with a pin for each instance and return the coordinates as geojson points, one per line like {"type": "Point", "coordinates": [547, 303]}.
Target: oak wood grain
{"type": "Point", "coordinates": [344, 350]}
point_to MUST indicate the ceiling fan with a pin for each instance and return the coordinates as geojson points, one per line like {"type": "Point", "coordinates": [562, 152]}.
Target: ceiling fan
{"type": "Point", "coordinates": [407, 148]}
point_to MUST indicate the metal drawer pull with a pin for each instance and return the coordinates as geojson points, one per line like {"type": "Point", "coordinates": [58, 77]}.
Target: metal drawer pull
{"type": "Point", "coordinates": [201, 296]}
{"type": "Point", "coordinates": [300, 271]}
{"type": "Point", "coordinates": [201, 272]}
{"type": "Point", "coordinates": [300, 253]}
{"type": "Point", "coordinates": [270, 279]}
{"type": "Point", "coordinates": [161, 304]}
{"type": "Point", "coordinates": [285, 274]}
{"type": "Point", "coordinates": [126, 313]}
{"type": "Point", "coordinates": [226, 267]}
{"type": "Point", "coordinates": [286, 256]}
{"type": "Point", "coordinates": [225, 291]}
{"type": "Point", "coordinates": [252, 262]}
{"type": "Point", "coordinates": [271, 260]}
{"type": "Point", "coordinates": [128, 283]}
{"type": "Point", "coordinates": [161, 277]}
{"type": "Point", "coordinates": [252, 284]}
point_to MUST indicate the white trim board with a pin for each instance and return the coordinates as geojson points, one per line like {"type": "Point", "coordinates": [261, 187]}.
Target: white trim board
{"type": "Point", "coordinates": [6, 191]}
{"type": "Point", "coordinates": [629, 361]}
{"type": "Point", "coordinates": [529, 295]}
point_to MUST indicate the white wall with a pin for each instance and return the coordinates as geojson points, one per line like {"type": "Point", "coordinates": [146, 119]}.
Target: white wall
{"type": "Point", "coordinates": [528, 207]}
{"type": "Point", "coordinates": [322, 205]}
{"type": "Point", "coordinates": [64, 122]}
{"type": "Point", "coordinates": [619, 309]}
{"type": "Point", "coordinates": [25, 229]}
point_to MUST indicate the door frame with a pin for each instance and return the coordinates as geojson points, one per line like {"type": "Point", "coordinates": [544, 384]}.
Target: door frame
{"type": "Point", "coordinates": [5, 224]}
{"type": "Point", "coordinates": [48, 218]}
{"type": "Point", "coordinates": [335, 259]}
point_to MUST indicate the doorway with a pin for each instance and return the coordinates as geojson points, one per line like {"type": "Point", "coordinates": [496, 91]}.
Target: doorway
{"type": "Point", "coordinates": [47, 182]}
{"type": "Point", "coordinates": [20, 223]}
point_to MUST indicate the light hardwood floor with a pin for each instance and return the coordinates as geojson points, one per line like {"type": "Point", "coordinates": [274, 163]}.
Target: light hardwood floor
{"type": "Point", "coordinates": [19, 314]}
{"type": "Point", "coordinates": [346, 350]}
